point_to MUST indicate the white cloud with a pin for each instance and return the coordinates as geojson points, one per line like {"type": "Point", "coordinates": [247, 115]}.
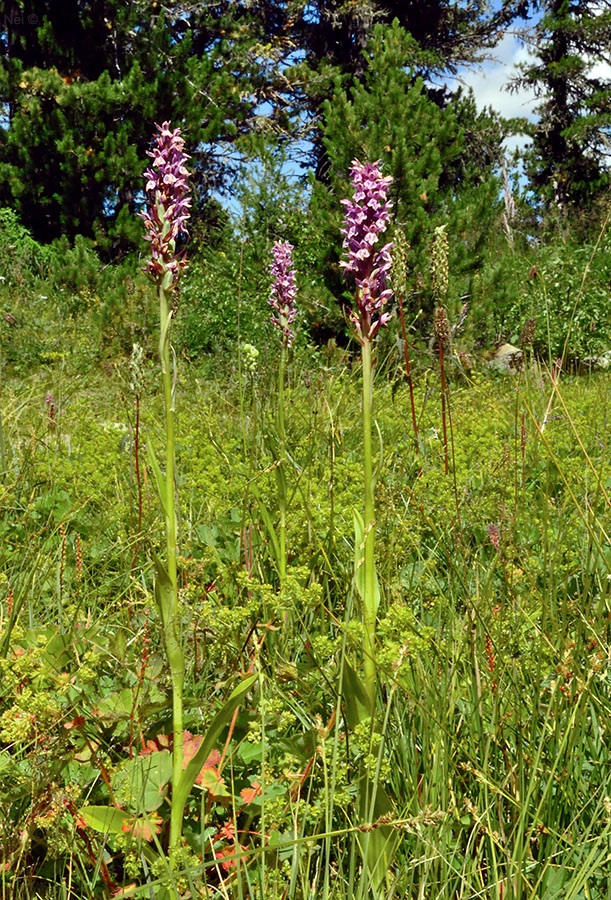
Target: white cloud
{"type": "Point", "coordinates": [489, 82]}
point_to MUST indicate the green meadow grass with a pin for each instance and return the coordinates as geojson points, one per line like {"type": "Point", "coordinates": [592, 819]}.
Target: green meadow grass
{"type": "Point", "coordinates": [487, 761]}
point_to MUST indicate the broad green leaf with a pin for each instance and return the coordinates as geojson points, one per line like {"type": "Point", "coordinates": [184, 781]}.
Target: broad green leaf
{"type": "Point", "coordinates": [302, 746]}
{"type": "Point", "coordinates": [355, 697]}
{"type": "Point", "coordinates": [359, 562]}
{"type": "Point", "coordinates": [143, 780]}
{"type": "Point", "coordinates": [58, 651]}
{"type": "Point", "coordinates": [223, 717]}
{"type": "Point", "coordinates": [105, 819]}
{"type": "Point", "coordinates": [250, 752]}
{"type": "Point", "coordinates": [116, 706]}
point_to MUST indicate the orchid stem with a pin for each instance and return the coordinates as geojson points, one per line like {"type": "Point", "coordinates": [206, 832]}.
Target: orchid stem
{"type": "Point", "coordinates": [369, 600]}
{"type": "Point", "coordinates": [172, 626]}
{"type": "Point", "coordinates": [281, 470]}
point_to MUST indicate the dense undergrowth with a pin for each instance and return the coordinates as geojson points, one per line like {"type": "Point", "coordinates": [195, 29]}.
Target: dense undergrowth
{"type": "Point", "coordinates": [484, 771]}
{"type": "Point", "coordinates": [490, 739]}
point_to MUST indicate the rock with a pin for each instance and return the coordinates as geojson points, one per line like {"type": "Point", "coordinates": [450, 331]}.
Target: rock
{"type": "Point", "coordinates": [598, 362]}
{"type": "Point", "coordinates": [507, 359]}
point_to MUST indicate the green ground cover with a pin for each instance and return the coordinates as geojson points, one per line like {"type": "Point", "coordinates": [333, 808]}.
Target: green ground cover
{"type": "Point", "coordinates": [489, 744]}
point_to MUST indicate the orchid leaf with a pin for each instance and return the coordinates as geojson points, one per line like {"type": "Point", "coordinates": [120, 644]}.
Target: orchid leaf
{"type": "Point", "coordinates": [222, 718]}
{"type": "Point", "coordinates": [356, 703]}
{"type": "Point", "coordinates": [359, 562]}
{"type": "Point", "coordinates": [164, 593]}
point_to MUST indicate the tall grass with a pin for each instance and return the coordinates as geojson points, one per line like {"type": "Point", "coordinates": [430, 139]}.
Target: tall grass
{"type": "Point", "coordinates": [490, 732]}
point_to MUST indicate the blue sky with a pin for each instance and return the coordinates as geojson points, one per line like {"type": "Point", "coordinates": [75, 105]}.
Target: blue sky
{"type": "Point", "coordinates": [489, 81]}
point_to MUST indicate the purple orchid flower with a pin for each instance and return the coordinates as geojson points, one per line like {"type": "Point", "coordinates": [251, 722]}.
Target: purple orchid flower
{"type": "Point", "coordinates": [284, 290]}
{"type": "Point", "coordinates": [366, 218]}
{"type": "Point", "coordinates": [168, 203]}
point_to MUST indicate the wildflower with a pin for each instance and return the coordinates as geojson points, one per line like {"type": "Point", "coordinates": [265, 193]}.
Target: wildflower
{"type": "Point", "coordinates": [284, 290]}
{"type": "Point", "coordinates": [50, 401]}
{"type": "Point", "coordinates": [494, 536]}
{"type": "Point", "coordinates": [366, 217]}
{"type": "Point", "coordinates": [168, 204]}
{"type": "Point", "coordinates": [441, 325]}
{"type": "Point", "coordinates": [528, 333]}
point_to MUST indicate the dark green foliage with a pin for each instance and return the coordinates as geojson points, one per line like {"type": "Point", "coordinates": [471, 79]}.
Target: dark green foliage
{"type": "Point", "coordinates": [83, 87]}
{"type": "Point", "coordinates": [566, 165]}
{"type": "Point", "coordinates": [441, 158]}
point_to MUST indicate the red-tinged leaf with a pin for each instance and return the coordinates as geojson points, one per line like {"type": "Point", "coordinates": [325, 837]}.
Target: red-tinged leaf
{"type": "Point", "coordinates": [227, 832]}
{"type": "Point", "coordinates": [190, 745]}
{"type": "Point", "coordinates": [229, 851]}
{"type": "Point", "coordinates": [154, 745]}
{"type": "Point", "coordinates": [249, 794]}
{"type": "Point", "coordinates": [143, 829]}
{"type": "Point", "coordinates": [77, 722]}
{"type": "Point", "coordinates": [210, 780]}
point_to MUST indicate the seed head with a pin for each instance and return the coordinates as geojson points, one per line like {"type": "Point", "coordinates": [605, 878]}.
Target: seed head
{"type": "Point", "coordinates": [366, 217]}
{"type": "Point", "coordinates": [439, 264]}
{"type": "Point", "coordinates": [168, 204]}
{"type": "Point", "coordinates": [527, 337]}
{"type": "Point", "coordinates": [135, 369]}
{"type": "Point", "coordinates": [284, 290]}
{"type": "Point", "coordinates": [441, 325]}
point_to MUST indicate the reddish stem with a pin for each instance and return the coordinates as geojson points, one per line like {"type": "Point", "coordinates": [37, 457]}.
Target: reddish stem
{"type": "Point", "coordinates": [443, 406]}
{"type": "Point", "coordinates": [137, 463]}
{"type": "Point", "coordinates": [144, 660]}
{"type": "Point", "coordinates": [110, 884]}
{"type": "Point", "coordinates": [409, 373]}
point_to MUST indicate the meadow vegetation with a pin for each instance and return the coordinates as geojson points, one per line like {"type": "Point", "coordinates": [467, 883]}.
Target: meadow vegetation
{"type": "Point", "coordinates": [483, 767]}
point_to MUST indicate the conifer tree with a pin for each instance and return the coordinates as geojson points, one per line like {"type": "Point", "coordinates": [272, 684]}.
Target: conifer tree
{"type": "Point", "coordinates": [441, 159]}
{"type": "Point", "coordinates": [82, 85]}
{"type": "Point", "coordinates": [568, 162]}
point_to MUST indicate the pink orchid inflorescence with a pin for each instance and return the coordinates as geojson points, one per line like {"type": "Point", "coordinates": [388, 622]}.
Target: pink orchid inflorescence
{"type": "Point", "coordinates": [284, 290]}
{"type": "Point", "coordinates": [367, 216]}
{"type": "Point", "coordinates": [168, 203]}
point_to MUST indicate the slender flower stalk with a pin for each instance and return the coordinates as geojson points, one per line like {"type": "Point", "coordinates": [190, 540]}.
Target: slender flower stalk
{"type": "Point", "coordinates": [165, 216]}
{"type": "Point", "coordinates": [441, 325]}
{"type": "Point", "coordinates": [399, 278]}
{"type": "Point", "coordinates": [136, 383]}
{"type": "Point", "coordinates": [282, 301]}
{"type": "Point", "coordinates": [367, 216]}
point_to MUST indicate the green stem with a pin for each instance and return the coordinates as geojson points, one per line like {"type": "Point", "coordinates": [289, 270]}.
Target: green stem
{"type": "Point", "coordinates": [172, 625]}
{"type": "Point", "coordinates": [281, 473]}
{"type": "Point", "coordinates": [369, 600]}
